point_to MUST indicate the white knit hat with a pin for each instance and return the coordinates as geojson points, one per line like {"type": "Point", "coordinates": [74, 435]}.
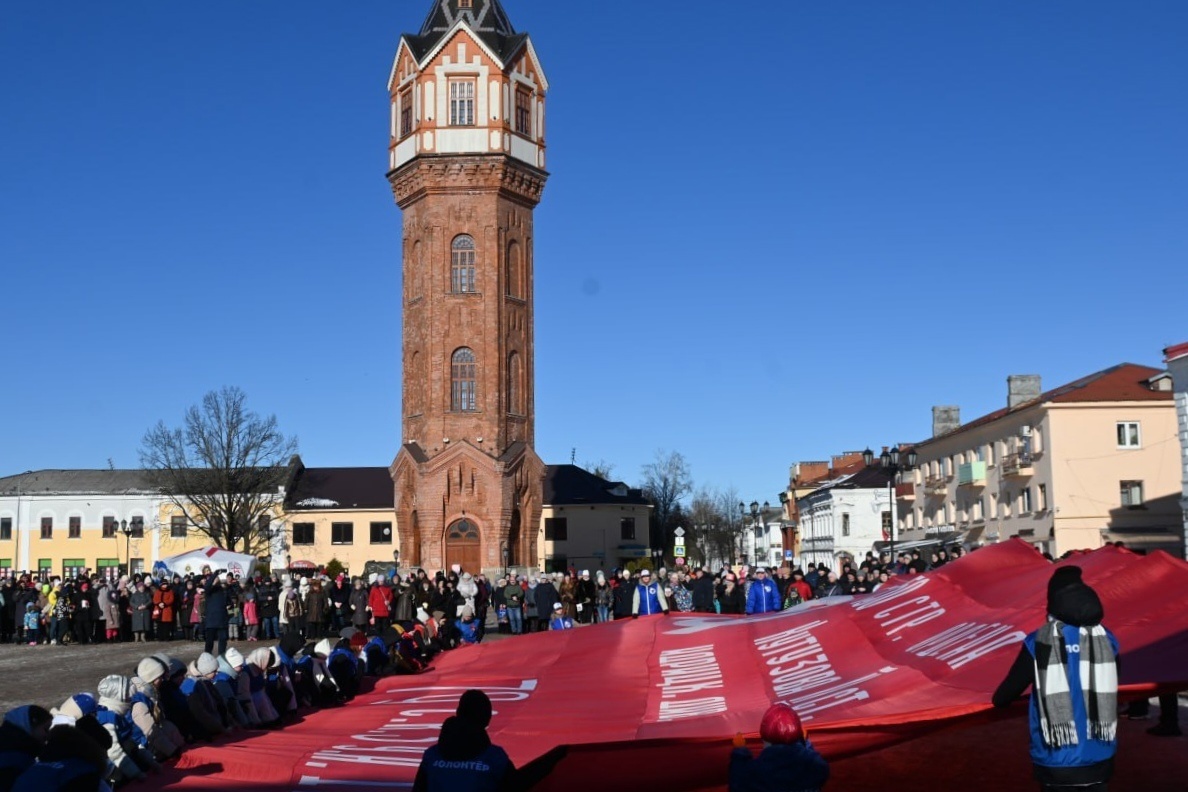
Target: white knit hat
{"type": "Point", "coordinates": [324, 648]}
{"type": "Point", "coordinates": [206, 664]}
{"type": "Point", "coordinates": [150, 669]}
{"type": "Point", "coordinates": [234, 658]}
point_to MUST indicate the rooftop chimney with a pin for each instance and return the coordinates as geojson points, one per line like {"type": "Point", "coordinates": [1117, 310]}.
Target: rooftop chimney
{"type": "Point", "coordinates": [1022, 388]}
{"type": "Point", "coordinates": [945, 419]}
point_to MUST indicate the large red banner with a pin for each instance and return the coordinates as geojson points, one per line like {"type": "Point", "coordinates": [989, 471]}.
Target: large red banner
{"type": "Point", "coordinates": [659, 698]}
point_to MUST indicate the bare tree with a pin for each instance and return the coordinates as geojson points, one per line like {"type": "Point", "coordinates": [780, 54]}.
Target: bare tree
{"type": "Point", "coordinates": [715, 525]}
{"type": "Point", "coordinates": [601, 468]}
{"type": "Point", "coordinates": [665, 482]}
{"type": "Point", "coordinates": [224, 469]}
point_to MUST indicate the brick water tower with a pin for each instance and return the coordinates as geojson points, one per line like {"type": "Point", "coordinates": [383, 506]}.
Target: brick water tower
{"type": "Point", "coordinates": [467, 167]}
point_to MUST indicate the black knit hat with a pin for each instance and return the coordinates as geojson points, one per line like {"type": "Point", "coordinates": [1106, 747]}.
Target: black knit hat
{"type": "Point", "coordinates": [1063, 577]}
{"type": "Point", "coordinates": [474, 706]}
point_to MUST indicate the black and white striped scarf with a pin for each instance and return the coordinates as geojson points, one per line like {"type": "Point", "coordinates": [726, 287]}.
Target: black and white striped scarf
{"type": "Point", "coordinates": [1099, 684]}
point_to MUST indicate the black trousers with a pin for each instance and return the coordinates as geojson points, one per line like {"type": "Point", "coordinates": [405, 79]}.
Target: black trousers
{"type": "Point", "coordinates": [214, 634]}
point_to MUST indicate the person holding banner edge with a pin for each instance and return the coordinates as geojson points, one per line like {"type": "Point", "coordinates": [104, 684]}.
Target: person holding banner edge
{"type": "Point", "coordinates": [1072, 664]}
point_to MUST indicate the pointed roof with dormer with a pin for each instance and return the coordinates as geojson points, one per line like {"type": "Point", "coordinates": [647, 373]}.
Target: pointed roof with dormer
{"type": "Point", "coordinates": [486, 19]}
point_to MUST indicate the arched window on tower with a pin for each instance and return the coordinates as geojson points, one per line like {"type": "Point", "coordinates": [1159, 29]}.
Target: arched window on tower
{"type": "Point", "coordinates": [416, 278]}
{"type": "Point", "coordinates": [462, 257]}
{"type": "Point", "coordinates": [463, 388]}
{"type": "Point", "coordinates": [416, 382]}
{"type": "Point", "coordinates": [515, 271]}
{"type": "Point", "coordinates": [515, 384]}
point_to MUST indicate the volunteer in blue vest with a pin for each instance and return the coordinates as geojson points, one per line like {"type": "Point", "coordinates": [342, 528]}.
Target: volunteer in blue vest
{"type": "Point", "coordinates": [649, 597]}
{"type": "Point", "coordinates": [764, 595]}
{"type": "Point", "coordinates": [1072, 665]}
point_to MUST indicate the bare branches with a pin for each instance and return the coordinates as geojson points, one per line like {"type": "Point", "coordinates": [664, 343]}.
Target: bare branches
{"type": "Point", "coordinates": [225, 469]}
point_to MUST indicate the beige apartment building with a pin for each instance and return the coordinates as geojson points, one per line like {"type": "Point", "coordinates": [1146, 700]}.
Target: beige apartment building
{"type": "Point", "coordinates": [1090, 462]}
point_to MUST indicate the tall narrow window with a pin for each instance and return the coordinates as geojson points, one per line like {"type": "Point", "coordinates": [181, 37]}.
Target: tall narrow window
{"type": "Point", "coordinates": [177, 526]}
{"type": "Point", "coordinates": [515, 384]}
{"type": "Point", "coordinates": [75, 528]}
{"type": "Point", "coordinates": [5, 529]}
{"type": "Point", "coordinates": [416, 382]}
{"type": "Point", "coordinates": [523, 112]}
{"type": "Point", "coordinates": [416, 280]}
{"type": "Point", "coordinates": [845, 524]}
{"type": "Point", "coordinates": [462, 257]}
{"type": "Point", "coordinates": [406, 112]}
{"type": "Point", "coordinates": [137, 525]}
{"type": "Point", "coordinates": [463, 389]}
{"type": "Point", "coordinates": [47, 527]}
{"type": "Point", "coordinates": [109, 527]}
{"type": "Point", "coordinates": [462, 103]}
{"type": "Point", "coordinates": [515, 271]}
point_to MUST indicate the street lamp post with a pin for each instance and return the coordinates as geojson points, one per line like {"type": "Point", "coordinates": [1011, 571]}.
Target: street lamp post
{"type": "Point", "coordinates": [126, 530]}
{"type": "Point", "coordinates": [893, 463]}
{"type": "Point", "coordinates": [756, 523]}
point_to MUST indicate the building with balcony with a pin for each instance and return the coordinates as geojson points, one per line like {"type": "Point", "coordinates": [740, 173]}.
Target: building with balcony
{"type": "Point", "coordinates": [1086, 463]}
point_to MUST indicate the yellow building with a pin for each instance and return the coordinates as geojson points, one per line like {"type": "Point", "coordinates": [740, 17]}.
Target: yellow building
{"type": "Point", "coordinates": [591, 523]}
{"type": "Point", "coordinates": [61, 522]}
{"type": "Point", "coordinates": [346, 514]}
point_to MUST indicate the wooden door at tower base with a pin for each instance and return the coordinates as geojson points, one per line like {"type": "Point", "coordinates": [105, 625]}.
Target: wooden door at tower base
{"type": "Point", "coordinates": [463, 546]}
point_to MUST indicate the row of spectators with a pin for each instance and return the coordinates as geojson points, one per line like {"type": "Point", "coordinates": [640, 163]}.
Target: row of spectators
{"type": "Point", "coordinates": [134, 722]}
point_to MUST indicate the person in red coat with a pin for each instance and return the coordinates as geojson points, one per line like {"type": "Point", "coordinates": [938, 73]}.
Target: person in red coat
{"type": "Point", "coordinates": [379, 603]}
{"type": "Point", "coordinates": [164, 601]}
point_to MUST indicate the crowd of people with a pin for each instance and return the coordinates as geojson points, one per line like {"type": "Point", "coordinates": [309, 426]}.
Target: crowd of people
{"type": "Point", "coordinates": [133, 722]}
{"type": "Point", "coordinates": [141, 607]}
{"type": "Point", "coordinates": [562, 600]}
{"type": "Point", "coordinates": [332, 634]}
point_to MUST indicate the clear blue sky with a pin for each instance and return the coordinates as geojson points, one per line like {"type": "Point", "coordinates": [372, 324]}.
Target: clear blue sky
{"type": "Point", "coordinates": [773, 230]}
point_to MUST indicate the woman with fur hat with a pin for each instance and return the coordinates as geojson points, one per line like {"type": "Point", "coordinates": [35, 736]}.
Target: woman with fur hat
{"type": "Point", "coordinates": [1072, 665]}
{"type": "Point", "coordinates": [130, 759]}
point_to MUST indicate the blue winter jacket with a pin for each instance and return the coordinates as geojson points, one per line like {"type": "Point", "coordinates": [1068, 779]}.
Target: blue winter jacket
{"type": "Point", "coordinates": [778, 768]}
{"type": "Point", "coordinates": [763, 597]}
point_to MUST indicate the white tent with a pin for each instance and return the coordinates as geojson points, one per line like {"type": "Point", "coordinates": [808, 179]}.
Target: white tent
{"type": "Point", "coordinates": [213, 557]}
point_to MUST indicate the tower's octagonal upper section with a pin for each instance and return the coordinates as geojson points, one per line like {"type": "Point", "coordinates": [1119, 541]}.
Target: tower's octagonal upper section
{"type": "Point", "coordinates": [467, 84]}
